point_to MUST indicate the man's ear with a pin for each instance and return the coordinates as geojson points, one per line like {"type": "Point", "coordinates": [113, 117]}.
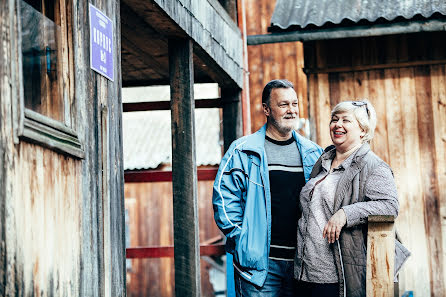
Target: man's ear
{"type": "Point", "coordinates": [266, 109]}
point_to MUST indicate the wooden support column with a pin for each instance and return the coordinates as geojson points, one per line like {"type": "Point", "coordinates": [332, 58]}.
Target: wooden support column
{"type": "Point", "coordinates": [184, 170]}
{"type": "Point", "coordinates": [380, 256]}
{"type": "Point", "coordinates": [232, 116]}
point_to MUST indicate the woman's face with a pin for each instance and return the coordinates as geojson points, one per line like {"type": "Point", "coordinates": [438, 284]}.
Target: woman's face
{"type": "Point", "coordinates": [345, 131]}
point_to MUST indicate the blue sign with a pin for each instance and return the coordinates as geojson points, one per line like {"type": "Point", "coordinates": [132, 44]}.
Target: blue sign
{"type": "Point", "coordinates": [101, 43]}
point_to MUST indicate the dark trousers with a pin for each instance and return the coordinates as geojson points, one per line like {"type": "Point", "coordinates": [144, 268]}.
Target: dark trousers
{"type": "Point", "coordinates": [304, 289]}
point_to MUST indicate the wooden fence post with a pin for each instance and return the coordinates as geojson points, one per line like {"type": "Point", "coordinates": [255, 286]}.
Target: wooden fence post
{"type": "Point", "coordinates": [380, 256]}
{"type": "Point", "coordinates": [184, 170]}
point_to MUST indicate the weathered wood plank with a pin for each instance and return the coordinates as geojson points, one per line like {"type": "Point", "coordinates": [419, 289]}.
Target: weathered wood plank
{"type": "Point", "coordinates": [88, 108]}
{"type": "Point", "coordinates": [184, 170]}
{"type": "Point", "coordinates": [5, 139]}
{"type": "Point", "coordinates": [376, 96]}
{"type": "Point", "coordinates": [93, 92]}
{"type": "Point", "coordinates": [438, 85]}
{"type": "Point", "coordinates": [323, 111]}
{"type": "Point", "coordinates": [380, 257]}
{"type": "Point", "coordinates": [313, 97]}
{"type": "Point", "coordinates": [411, 221]}
{"type": "Point", "coordinates": [429, 180]}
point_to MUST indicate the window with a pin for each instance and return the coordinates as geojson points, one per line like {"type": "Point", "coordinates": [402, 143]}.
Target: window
{"type": "Point", "coordinates": [47, 105]}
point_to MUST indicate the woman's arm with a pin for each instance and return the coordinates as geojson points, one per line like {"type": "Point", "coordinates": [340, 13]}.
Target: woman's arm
{"type": "Point", "coordinates": [381, 199]}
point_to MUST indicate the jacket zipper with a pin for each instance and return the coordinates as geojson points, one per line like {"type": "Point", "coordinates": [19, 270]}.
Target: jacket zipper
{"type": "Point", "coordinates": [342, 268]}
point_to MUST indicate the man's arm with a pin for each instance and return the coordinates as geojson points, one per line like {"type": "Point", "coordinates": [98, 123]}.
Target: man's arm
{"type": "Point", "coordinates": [229, 188]}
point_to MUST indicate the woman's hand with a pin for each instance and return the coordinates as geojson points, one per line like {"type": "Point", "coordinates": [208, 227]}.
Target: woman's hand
{"type": "Point", "coordinates": [332, 229]}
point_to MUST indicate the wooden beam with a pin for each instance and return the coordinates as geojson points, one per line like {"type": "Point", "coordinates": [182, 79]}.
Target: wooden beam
{"type": "Point", "coordinates": [246, 112]}
{"type": "Point", "coordinates": [374, 67]}
{"type": "Point", "coordinates": [184, 170]}
{"type": "Point", "coordinates": [168, 251]}
{"type": "Point", "coordinates": [380, 256]}
{"type": "Point", "coordinates": [349, 32]}
{"type": "Point", "coordinates": [165, 105]}
{"type": "Point", "coordinates": [219, 39]}
{"type": "Point", "coordinates": [150, 176]}
{"type": "Point", "coordinates": [232, 116]}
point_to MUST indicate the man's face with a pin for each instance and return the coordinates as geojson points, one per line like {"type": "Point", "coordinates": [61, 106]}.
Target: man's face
{"type": "Point", "coordinates": [283, 111]}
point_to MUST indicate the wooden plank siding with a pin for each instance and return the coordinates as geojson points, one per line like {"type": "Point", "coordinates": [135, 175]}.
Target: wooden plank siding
{"type": "Point", "coordinates": [51, 204]}
{"type": "Point", "coordinates": [151, 224]}
{"type": "Point", "coordinates": [271, 61]}
{"type": "Point", "coordinates": [410, 134]}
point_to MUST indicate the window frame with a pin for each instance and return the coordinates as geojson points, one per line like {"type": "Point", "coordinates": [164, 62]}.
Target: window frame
{"type": "Point", "coordinates": [29, 125]}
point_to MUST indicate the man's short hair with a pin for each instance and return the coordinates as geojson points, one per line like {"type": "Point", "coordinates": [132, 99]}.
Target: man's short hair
{"type": "Point", "coordinates": [275, 84]}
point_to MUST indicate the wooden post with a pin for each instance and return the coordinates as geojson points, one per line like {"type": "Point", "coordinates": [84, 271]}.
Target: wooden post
{"type": "Point", "coordinates": [184, 170]}
{"type": "Point", "coordinates": [380, 256]}
{"type": "Point", "coordinates": [232, 116]}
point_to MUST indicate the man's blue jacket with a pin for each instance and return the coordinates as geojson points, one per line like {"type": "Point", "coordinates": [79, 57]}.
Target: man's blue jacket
{"type": "Point", "coordinates": [242, 201]}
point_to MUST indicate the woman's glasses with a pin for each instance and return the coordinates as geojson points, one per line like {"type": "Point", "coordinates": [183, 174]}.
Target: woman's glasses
{"type": "Point", "coordinates": [361, 103]}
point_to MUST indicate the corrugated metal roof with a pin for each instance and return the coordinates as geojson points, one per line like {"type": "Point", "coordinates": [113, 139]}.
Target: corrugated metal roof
{"type": "Point", "coordinates": [147, 138]}
{"type": "Point", "coordinates": [302, 13]}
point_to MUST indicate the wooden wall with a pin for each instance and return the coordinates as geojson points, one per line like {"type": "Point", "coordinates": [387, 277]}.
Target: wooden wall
{"type": "Point", "coordinates": [62, 218]}
{"type": "Point", "coordinates": [271, 61]}
{"type": "Point", "coordinates": [45, 228]}
{"type": "Point", "coordinates": [405, 79]}
{"type": "Point", "coordinates": [150, 212]}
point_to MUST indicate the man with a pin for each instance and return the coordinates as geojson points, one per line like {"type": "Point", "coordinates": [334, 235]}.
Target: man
{"type": "Point", "coordinates": [256, 192]}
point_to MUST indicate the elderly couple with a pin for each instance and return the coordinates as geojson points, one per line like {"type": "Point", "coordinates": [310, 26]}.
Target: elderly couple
{"type": "Point", "coordinates": [295, 215]}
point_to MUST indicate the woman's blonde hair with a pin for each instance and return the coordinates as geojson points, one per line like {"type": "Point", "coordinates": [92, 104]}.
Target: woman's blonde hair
{"type": "Point", "coordinates": [364, 113]}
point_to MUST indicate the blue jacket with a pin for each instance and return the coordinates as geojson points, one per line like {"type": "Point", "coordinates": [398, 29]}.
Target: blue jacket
{"type": "Point", "coordinates": [242, 201]}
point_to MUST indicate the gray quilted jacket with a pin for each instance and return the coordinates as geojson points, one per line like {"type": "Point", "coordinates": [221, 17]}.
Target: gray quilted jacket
{"type": "Point", "coordinates": [350, 251]}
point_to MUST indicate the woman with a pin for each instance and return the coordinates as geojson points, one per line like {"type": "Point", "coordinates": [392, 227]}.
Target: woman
{"type": "Point", "coordinates": [348, 183]}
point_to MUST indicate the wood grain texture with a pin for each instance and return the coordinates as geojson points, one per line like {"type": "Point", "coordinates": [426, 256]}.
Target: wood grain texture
{"type": "Point", "coordinates": [438, 87]}
{"type": "Point", "coordinates": [6, 146]}
{"type": "Point", "coordinates": [184, 169]}
{"type": "Point", "coordinates": [380, 259]}
{"type": "Point", "coordinates": [429, 179]}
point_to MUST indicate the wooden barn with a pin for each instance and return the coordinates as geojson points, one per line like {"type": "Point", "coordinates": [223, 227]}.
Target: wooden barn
{"type": "Point", "coordinates": [394, 54]}
{"type": "Point", "coordinates": [62, 68]}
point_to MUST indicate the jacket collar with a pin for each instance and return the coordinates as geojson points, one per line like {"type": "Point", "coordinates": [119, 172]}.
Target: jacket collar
{"type": "Point", "coordinates": [357, 158]}
{"type": "Point", "coordinates": [256, 141]}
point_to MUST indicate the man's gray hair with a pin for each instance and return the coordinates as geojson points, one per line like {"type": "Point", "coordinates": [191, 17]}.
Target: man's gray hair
{"type": "Point", "coordinates": [275, 84]}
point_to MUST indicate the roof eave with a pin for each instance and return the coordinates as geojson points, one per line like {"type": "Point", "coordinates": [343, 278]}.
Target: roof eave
{"type": "Point", "coordinates": [349, 32]}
